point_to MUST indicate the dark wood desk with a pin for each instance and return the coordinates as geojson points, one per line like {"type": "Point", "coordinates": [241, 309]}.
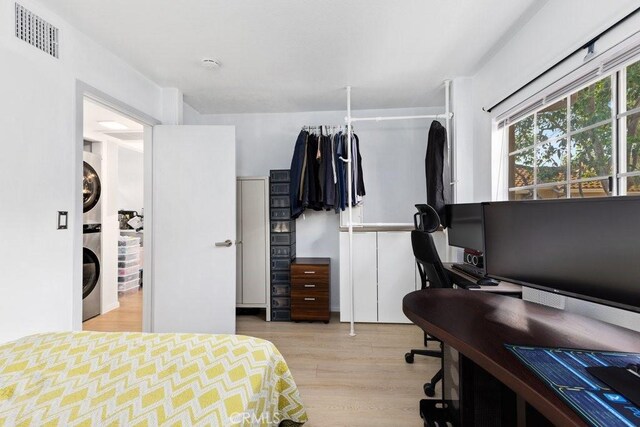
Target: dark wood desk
{"type": "Point", "coordinates": [478, 324]}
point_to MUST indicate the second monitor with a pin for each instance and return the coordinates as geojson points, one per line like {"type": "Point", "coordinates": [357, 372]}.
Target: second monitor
{"type": "Point", "coordinates": [465, 226]}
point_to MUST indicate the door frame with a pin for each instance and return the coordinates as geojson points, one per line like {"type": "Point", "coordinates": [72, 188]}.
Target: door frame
{"type": "Point", "coordinates": [84, 90]}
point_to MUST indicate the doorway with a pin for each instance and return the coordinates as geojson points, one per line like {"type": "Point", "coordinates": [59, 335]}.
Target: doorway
{"type": "Point", "coordinates": [112, 194]}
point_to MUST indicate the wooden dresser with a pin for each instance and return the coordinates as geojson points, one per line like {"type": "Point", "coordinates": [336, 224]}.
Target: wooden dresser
{"type": "Point", "coordinates": [310, 284]}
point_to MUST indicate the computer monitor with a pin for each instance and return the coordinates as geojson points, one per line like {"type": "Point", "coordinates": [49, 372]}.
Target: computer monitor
{"type": "Point", "coordinates": [583, 248]}
{"type": "Point", "coordinates": [465, 228]}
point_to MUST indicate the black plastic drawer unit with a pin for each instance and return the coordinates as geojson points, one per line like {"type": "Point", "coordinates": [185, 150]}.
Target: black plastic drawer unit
{"type": "Point", "coordinates": [283, 244]}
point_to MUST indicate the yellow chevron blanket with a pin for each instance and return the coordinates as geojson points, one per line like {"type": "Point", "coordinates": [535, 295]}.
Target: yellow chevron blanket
{"type": "Point", "coordinates": [135, 379]}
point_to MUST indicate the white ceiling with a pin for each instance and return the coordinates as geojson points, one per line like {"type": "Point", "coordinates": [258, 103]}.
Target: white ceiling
{"type": "Point", "coordinates": [298, 55]}
{"type": "Point", "coordinates": [93, 113]}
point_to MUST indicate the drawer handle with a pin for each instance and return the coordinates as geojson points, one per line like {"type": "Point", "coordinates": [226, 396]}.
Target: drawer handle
{"type": "Point", "coordinates": [309, 272]}
{"type": "Point", "coordinates": [309, 299]}
{"type": "Point", "coordinates": [309, 286]}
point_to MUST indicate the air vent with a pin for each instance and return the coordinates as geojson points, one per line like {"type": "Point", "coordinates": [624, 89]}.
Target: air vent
{"type": "Point", "coordinates": [36, 31]}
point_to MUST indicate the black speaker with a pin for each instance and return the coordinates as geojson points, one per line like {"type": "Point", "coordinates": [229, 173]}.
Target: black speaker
{"type": "Point", "coordinates": [474, 258]}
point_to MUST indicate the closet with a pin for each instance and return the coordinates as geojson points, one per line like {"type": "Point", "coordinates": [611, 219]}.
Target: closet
{"type": "Point", "coordinates": [252, 243]}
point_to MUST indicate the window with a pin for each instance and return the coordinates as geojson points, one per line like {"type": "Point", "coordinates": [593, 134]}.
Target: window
{"type": "Point", "coordinates": [586, 144]}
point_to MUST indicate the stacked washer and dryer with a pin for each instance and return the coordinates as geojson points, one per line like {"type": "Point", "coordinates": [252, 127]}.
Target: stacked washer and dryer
{"type": "Point", "coordinates": [91, 236]}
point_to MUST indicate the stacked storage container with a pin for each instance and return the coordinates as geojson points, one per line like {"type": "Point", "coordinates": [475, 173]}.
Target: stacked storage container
{"type": "Point", "coordinates": [129, 264]}
{"type": "Point", "coordinates": [283, 245]}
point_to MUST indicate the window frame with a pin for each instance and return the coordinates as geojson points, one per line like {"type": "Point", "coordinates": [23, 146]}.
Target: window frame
{"type": "Point", "coordinates": [617, 121]}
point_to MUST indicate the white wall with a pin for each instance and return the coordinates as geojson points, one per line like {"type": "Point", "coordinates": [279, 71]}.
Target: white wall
{"type": "Point", "coordinates": [393, 166]}
{"type": "Point", "coordinates": [130, 180]}
{"type": "Point", "coordinates": [557, 29]}
{"type": "Point", "coordinates": [38, 167]}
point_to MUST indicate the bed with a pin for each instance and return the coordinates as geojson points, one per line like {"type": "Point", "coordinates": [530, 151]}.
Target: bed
{"type": "Point", "coordinates": [137, 379]}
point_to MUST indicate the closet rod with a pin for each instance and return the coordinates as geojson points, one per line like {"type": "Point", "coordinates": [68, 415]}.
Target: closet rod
{"type": "Point", "coordinates": [381, 119]}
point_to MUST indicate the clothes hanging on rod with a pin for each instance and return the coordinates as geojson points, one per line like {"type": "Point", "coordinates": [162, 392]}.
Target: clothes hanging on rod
{"type": "Point", "coordinates": [318, 172]}
{"type": "Point", "coordinates": [437, 170]}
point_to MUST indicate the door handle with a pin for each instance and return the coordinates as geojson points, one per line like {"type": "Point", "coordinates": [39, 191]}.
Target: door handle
{"type": "Point", "coordinates": [227, 243]}
{"type": "Point", "coordinates": [309, 286]}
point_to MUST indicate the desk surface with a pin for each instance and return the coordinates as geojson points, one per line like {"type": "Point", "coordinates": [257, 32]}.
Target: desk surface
{"type": "Point", "coordinates": [502, 288]}
{"type": "Point", "coordinates": [478, 324]}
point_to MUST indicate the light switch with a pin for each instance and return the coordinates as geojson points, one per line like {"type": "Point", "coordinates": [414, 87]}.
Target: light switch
{"type": "Point", "coordinates": [63, 220]}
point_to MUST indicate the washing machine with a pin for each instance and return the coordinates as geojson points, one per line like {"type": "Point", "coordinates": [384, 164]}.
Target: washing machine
{"type": "Point", "coordinates": [91, 188]}
{"type": "Point", "coordinates": [91, 270]}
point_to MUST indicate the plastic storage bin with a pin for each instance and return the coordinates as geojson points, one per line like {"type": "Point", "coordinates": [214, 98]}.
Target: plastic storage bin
{"type": "Point", "coordinates": [281, 264]}
{"type": "Point", "coordinates": [281, 314]}
{"type": "Point", "coordinates": [126, 286]}
{"type": "Point", "coordinates": [125, 250]}
{"type": "Point", "coordinates": [129, 277]}
{"type": "Point", "coordinates": [281, 277]}
{"type": "Point", "coordinates": [280, 213]}
{"type": "Point", "coordinates": [128, 270]}
{"type": "Point", "coordinates": [280, 175]}
{"type": "Point", "coordinates": [283, 238]}
{"type": "Point", "coordinates": [127, 264]}
{"type": "Point", "coordinates": [283, 251]}
{"type": "Point", "coordinates": [283, 226]}
{"type": "Point", "coordinates": [280, 201]}
{"type": "Point", "coordinates": [278, 189]}
{"type": "Point", "coordinates": [129, 257]}
{"type": "Point", "coordinates": [128, 241]}
{"type": "Point", "coordinates": [280, 302]}
{"type": "Point", "coordinates": [280, 290]}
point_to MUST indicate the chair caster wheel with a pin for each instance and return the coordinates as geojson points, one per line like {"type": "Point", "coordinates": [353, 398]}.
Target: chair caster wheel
{"type": "Point", "coordinates": [408, 357]}
{"type": "Point", "coordinates": [429, 390]}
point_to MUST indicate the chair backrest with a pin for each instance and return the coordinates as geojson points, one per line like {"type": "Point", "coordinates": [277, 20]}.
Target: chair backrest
{"type": "Point", "coordinates": [429, 265]}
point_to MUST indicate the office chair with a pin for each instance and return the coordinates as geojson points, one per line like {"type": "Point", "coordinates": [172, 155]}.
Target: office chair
{"type": "Point", "coordinates": [432, 275]}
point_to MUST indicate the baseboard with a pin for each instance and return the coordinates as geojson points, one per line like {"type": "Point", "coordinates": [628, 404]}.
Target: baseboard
{"type": "Point", "coordinates": [111, 307]}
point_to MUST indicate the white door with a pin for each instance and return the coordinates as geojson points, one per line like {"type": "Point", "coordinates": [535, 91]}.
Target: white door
{"type": "Point", "coordinates": [396, 274]}
{"type": "Point", "coordinates": [194, 227]}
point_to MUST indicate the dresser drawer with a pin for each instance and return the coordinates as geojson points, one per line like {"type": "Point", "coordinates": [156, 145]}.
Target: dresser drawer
{"type": "Point", "coordinates": [310, 307]}
{"type": "Point", "coordinates": [306, 286]}
{"type": "Point", "coordinates": [309, 273]}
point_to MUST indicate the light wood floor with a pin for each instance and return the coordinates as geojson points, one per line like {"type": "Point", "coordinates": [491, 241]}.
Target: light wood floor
{"type": "Point", "coordinates": [343, 380]}
{"type": "Point", "coordinates": [127, 318]}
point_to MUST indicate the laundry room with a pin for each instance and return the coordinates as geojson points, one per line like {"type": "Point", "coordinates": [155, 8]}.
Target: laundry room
{"type": "Point", "coordinates": [113, 193]}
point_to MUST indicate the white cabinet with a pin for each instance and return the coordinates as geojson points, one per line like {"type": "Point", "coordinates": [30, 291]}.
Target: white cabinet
{"type": "Point", "coordinates": [396, 275]}
{"type": "Point", "coordinates": [252, 268]}
{"type": "Point", "coordinates": [365, 287]}
{"type": "Point", "coordinates": [383, 273]}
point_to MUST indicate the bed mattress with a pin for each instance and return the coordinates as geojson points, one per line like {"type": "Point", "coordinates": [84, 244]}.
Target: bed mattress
{"type": "Point", "coordinates": [137, 379]}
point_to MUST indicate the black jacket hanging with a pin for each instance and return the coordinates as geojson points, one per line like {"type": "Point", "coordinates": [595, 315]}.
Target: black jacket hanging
{"type": "Point", "coordinates": [437, 170]}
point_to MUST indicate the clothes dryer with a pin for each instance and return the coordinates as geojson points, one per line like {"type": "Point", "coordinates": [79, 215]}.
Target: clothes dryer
{"type": "Point", "coordinates": [91, 188]}
{"type": "Point", "coordinates": [91, 270]}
